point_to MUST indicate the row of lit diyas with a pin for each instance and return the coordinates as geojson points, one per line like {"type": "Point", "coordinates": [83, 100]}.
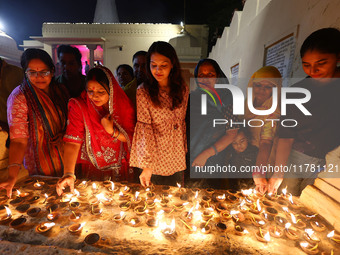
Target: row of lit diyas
{"type": "Point", "coordinates": [243, 208]}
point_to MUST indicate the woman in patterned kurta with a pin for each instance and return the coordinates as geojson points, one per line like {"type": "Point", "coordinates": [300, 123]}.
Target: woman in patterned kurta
{"type": "Point", "coordinates": [37, 113]}
{"type": "Point", "coordinates": [159, 143]}
{"type": "Point", "coordinates": [99, 131]}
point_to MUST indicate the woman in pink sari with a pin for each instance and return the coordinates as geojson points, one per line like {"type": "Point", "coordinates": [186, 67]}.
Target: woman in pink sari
{"type": "Point", "coordinates": [37, 114]}
{"type": "Point", "coordinates": [99, 132]}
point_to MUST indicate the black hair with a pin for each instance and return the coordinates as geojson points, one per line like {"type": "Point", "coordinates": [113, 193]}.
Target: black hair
{"type": "Point", "coordinates": [325, 40]}
{"type": "Point", "coordinates": [127, 68]}
{"type": "Point", "coordinates": [98, 75]}
{"type": "Point", "coordinates": [246, 132]}
{"type": "Point", "coordinates": [32, 53]}
{"type": "Point", "coordinates": [71, 50]}
{"type": "Point", "coordinates": [139, 53]}
{"type": "Point", "coordinates": [177, 85]}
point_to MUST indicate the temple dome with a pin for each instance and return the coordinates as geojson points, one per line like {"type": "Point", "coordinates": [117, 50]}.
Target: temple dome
{"type": "Point", "coordinates": [8, 49]}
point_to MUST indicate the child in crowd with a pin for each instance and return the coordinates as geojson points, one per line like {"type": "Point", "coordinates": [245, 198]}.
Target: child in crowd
{"type": "Point", "coordinates": [242, 155]}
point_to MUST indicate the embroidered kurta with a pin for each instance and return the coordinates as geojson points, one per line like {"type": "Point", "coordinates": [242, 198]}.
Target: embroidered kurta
{"type": "Point", "coordinates": [159, 140]}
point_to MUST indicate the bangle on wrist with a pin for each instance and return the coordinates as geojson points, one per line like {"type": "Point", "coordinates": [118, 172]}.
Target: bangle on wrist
{"type": "Point", "coordinates": [214, 148]}
{"type": "Point", "coordinates": [13, 164]}
{"type": "Point", "coordinates": [70, 175]}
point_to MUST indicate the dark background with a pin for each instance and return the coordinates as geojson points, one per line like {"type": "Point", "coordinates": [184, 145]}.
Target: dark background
{"type": "Point", "coordinates": [24, 18]}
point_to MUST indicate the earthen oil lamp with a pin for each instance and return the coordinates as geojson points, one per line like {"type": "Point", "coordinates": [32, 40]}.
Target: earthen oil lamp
{"type": "Point", "coordinates": [38, 185]}
{"type": "Point", "coordinates": [240, 231]}
{"type": "Point", "coordinates": [282, 202]}
{"type": "Point", "coordinates": [225, 216]}
{"type": "Point", "coordinates": [95, 188]}
{"type": "Point", "coordinates": [22, 208]}
{"type": "Point", "coordinates": [232, 199]}
{"type": "Point", "coordinates": [290, 233]}
{"type": "Point", "coordinates": [104, 200]}
{"type": "Point", "coordinates": [310, 236]}
{"type": "Point", "coordinates": [267, 217]}
{"type": "Point", "coordinates": [222, 227]}
{"type": "Point", "coordinates": [243, 207]}
{"type": "Point", "coordinates": [125, 190]}
{"type": "Point", "coordinates": [271, 197]}
{"type": "Point", "coordinates": [52, 216]}
{"type": "Point", "coordinates": [75, 216]}
{"type": "Point", "coordinates": [150, 195]}
{"type": "Point", "coordinates": [232, 192]}
{"type": "Point", "coordinates": [74, 205]}
{"type": "Point", "coordinates": [165, 188]}
{"type": "Point", "coordinates": [205, 227]}
{"type": "Point", "coordinates": [267, 203]}
{"type": "Point", "coordinates": [17, 201]}
{"type": "Point", "coordinates": [309, 248]}
{"type": "Point", "coordinates": [82, 185]}
{"type": "Point", "coordinates": [76, 228]}
{"type": "Point", "coordinates": [293, 204]}
{"type": "Point", "coordinates": [220, 197]}
{"type": "Point", "coordinates": [52, 207]}
{"type": "Point", "coordinates": [44, 227]}
{"type": "Point", "coordinates": [140, 210]}
{"type": "Point", "coordinates": [334, 237]}
{"type": "Point", "coordinates": [113, 188]}
{"type": "Point", "coordinates": [92, 239]}
{"type": "Point", "coordinates": [210, 191]}
{"type": "Point", "coordinates": [136, 199]}
{"type": "Point", "coordinates": [33, 199]}
{"type": "Point", "coordinates": [150, 203]}
{"type": "Point", "coordinates": [195, 191]}
{"type": "Point", "coordinates": [258, 221]}
{"type": "Point", "coordinates": [265, 238]}
{"type": "Point", "coordinates": [206, 199]}
{"type": "Point", "coordinates": [124, 197]}
{"type": "Point", "coordinates": [307, 215]}
{"type": "Point", "coordinates": [281, 221]}
{"type": "Point", "coordinates": [169, 231]}
{"type": "Point", "coordinates": [95, 210]}
{"type": "Point", "coordinates": [164, 201]}
{"type": "Point", "coordinates": [256, 207]}
{"type": "Point", "coordinates": [151, 221]}
{"type": "Point", "coordinates": [275, 231]}
{"type": "Point", "coordinates": [208, 214]}
{"type": "Point", "coordinates": [93, 201]}
{"type": "Point", "coordinates": [180, 189]}
{"type": "Point", "coordinates": [188, 226]}
{"type": "Point", "coordinates": [180, 206]}
{"type": "Point", "coordinates": [23, 194]}
{"type": "Point", "coordinates": [50, 200]}
{"type": "Point", "coordinates": [107, 183]}
{"type": "Point", "coordinates": [18, 222]}
{"type": "Point", "coordinates": [34, 212]}
{"type": "Point", "coordinates": [222, 207]}
{"type": "Point", "coordinates": [118, 217]}
{"type": "Point", "coordinates": [237, 216]}
{"type": "Point", "coordinates": [126, 205]}
{"type": "Point", "coordinates": [6, 216]}
{"type": "Point", "coordinates": [134, 221]}
{"type": "Point", "coordinates": [67, 197]}
{"type": "Point", "coordinates": [271, 210]}
{"type": "Point", "coordinates": [297, 223]}
{"type": "Point", "coordinates": [318, 226]}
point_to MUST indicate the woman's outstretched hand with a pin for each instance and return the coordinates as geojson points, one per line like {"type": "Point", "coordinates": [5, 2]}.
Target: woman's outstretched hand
{"type": "Point", "coordinates": [145, 177]}
{"type": "Point", "coordinates": [261, 184]}
{"type": "Point", "coordinates": [63, 183]}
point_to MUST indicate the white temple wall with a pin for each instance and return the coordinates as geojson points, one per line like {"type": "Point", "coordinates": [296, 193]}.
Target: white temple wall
{"type": "Point", "coordinates": [263, 22]}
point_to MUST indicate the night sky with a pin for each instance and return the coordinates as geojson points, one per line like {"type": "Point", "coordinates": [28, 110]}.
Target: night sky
{"type": "Point", "coordinates": [24, 18]}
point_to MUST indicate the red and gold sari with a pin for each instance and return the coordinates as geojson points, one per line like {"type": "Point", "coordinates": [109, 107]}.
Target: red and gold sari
{"type": "Point", "coordinates": [102, 156]}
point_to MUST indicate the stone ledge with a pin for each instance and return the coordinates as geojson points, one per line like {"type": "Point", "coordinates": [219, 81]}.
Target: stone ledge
{"type": "Point", "coordinates": [319, 202]}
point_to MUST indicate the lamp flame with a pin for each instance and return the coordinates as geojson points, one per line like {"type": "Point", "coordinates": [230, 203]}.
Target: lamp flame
{"type": "Point", "coordinates": [330, 234]}
{"type": "Point", "coordinates": [267, 237]}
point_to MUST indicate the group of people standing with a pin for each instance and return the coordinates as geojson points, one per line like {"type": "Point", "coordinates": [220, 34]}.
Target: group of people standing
{"type": "Point", "coordinates": [79, 126]}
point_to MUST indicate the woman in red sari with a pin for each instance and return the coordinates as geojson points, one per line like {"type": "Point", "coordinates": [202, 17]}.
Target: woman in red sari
{"type": "Point", "coordinates": [99, 132]}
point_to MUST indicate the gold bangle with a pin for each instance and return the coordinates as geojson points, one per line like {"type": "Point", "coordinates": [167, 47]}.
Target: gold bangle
{"type": "Point", "coordinates": [70, 175]}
